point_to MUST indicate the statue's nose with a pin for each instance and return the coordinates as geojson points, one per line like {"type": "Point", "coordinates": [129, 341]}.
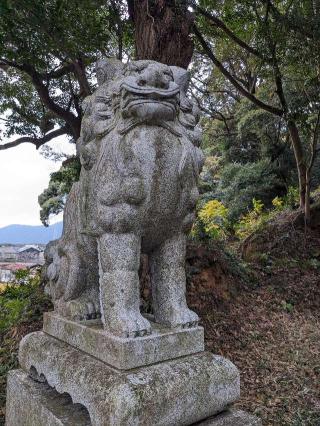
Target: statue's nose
{"type": "Point", "coordinates": [154, 78]}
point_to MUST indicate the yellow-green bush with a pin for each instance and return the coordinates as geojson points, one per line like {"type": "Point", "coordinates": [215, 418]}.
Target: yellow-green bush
{"type": "Point", "coordinates": [257, 217]}
{"type": "Point", "coordinates": [251, 221]}
{"type": "Point", "coordinates": [212, 221]}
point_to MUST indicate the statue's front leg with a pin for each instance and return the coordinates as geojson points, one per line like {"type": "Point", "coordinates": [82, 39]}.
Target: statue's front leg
{"type": "Point", "coordinates": [168, 280]}
{"type": "Point", "coordinates": [119, 256]}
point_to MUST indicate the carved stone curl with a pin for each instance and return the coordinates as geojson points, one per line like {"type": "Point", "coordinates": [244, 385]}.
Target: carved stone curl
{"type": "Point", "coordinates": [139, 149]}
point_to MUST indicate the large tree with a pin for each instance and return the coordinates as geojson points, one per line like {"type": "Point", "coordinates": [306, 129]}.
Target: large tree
{"type": "Point", "coordinates": [266, 51]}
{"type": "Point", "coordinates": [162, 30]}
{"type": "Point", "coordinates": [269, 51]}
{"type": "Point", "coordinates": [47, 55]}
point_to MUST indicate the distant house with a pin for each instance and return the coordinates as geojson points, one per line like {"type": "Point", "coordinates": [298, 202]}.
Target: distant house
{"type": "Point", "coordinates": [7, 270]}
{"type": "Point", "coordinates": [30, 253]}
{"type": "Point", "coordinates": [15, 257]}
{"type": "Point", "coordinates": [6, 275]}
{"type": "Point", "coordinates": [24, 254]}
{"type": "Point", "coordinates": [8, 253]}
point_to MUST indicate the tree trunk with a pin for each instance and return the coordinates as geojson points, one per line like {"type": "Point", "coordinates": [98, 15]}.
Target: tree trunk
{"type": "Point", "coordinates": [162, 30]}
{"type": "Point", "coordinates": [300, 161]}
{"type": "Point", "coordinates": [307, 211]}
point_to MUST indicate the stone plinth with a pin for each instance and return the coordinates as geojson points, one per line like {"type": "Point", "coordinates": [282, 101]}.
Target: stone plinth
{"type": "Point", "coordinates": [181, 391]}
{"type": "Point", "coordinates": [125, 353]}
{"type": "Point", "coordinates": [36, 404]}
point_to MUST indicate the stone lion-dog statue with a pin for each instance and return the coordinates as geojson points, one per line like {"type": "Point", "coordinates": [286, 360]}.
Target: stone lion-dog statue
{"type": "Point", "coordinates": [137, 191]}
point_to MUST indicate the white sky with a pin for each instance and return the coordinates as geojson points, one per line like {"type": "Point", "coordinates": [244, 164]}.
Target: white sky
{"type": "Point", "coordinates": [24, 174]}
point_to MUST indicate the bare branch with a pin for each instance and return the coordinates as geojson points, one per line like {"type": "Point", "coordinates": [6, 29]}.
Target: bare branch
{"type": "Point", "coordinates": [35, 141]}
{"type": "Point", "coordinates": [269, 108]}
{"type": "Point", "coordinates": [220, 24]}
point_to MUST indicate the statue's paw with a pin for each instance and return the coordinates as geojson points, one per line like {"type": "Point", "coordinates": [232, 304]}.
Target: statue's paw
{"type": "Point", "coordinates": [189, 319]}
{"type": "Point", "coordinates": [83, 309]}
{"type": "Point", "coordinates": [92, 311]}
{"type": "Point", "coordinates": [183, 319]}
{"type": "Point", "coordinates": [130, 326]}
{"type": "Point", "coordinates": [143, 327]}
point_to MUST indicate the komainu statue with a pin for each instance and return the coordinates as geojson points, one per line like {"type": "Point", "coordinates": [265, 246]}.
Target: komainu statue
{"type": "Point", "coordinates": [140, 156]}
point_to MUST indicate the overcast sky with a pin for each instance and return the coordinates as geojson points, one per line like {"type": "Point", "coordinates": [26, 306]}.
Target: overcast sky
{"type": "Point", "coordinates": [24, 174]}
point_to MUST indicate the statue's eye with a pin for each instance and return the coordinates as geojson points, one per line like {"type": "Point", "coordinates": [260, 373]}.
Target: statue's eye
{"type": "Point", "coordinates": [169, 75]}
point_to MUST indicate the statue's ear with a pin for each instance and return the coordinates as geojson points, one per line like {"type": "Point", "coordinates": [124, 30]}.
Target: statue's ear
{"type": "Point", "coordinates": [181, 78]}
{"type": "Point", "coordinates": [107, 69]}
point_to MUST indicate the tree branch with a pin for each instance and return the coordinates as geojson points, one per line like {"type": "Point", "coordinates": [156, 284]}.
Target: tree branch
{"type": "Point", "coordinates": [303, 28]}
{"type": "Point", "coordinates": [35, 141]}
{"type": "Point", "coordinates": [73, 122]}
{"type": "Point", "coordinates": [269, 108]}
{"type": "Point", "coordinates": [220, 24]}
{"type": "Point", "coordinates": [314, 143]}
{"type": "Point", "coordinates": [80, 73]}
{"type": "Point", "coordinates": [60, 72]}
{"type": "Point", "coordinates": [43, 92]}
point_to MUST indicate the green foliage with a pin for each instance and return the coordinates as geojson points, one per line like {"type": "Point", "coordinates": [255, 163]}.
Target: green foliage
{"type": "Point", "coordinates": [47, 55]}
{"type": "Point", "coordinates": [23, 300]}
{"type": "Point", "coordinates": [21, 306]}
{"type": "Point", "coordinates": [252, 221]}
{"type": "Point", "coordinates": [252, 159]}
{"type": "Point", "coordinates": [291, 199]}
{"type": "Point", "coordinates": [240, 183]}
{"type": "Point", "coordinates": [280, 68]}
{"type": "Point", "coordinates": [53, 198]}
{"type": "Point", "coordinates": [286, 306]}
{"type": "Point", "coordinates": [212, 221]}
{"type": "Point", "coordinates": [258, 216]}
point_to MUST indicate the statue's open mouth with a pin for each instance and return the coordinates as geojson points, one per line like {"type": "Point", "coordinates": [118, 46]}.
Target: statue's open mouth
{"type": "Point", "coordinates": [149, 102]}
{"type": "Point", "coordinates": [150, 91]}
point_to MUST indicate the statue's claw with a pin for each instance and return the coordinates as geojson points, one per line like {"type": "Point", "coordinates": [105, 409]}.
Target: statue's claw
{"type": "Point", "coordinates": [130, 326]}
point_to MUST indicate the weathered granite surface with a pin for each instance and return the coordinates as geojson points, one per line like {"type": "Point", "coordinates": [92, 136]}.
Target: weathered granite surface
{"type": "Point", "coordinates": [231, 418]}
{"type": "Point", "coordinates": [140, 156]}
{"type": "Point", "coordinates": [125, 353]}
{"type": "Point", "coordinates": [40, 405]}
{"type": "Point", "coordinates": [172, 393]}
{"type": "Point", "coordinates": [36, 404]}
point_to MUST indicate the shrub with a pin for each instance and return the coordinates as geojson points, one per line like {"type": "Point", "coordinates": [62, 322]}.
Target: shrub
{"type": "Point", "coordinates": [23, 300]}
{"type": "Point", "coordinates": [240, 183]}
{"type": "Point", "coordinates": [252, 221]}
{"type": "Point", "coordinates": [212, 221]}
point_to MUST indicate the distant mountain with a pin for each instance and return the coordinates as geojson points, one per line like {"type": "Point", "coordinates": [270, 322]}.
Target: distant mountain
{"type": "Point", "coordinates": [27, 234]}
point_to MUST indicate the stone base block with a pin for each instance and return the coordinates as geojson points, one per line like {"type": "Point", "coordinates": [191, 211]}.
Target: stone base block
{"type": "Point", "coordinates": [231, 418]}
{"type": "Point", "coordinates": [36, 404]}
{"type": "Point", "coordinates": [125, 353]}
{"type": "Point", "coordinates": [178, 392]}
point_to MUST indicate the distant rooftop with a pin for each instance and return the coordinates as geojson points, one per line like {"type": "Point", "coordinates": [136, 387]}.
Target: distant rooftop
{"type": "Point", "coordinates": [28, 247]}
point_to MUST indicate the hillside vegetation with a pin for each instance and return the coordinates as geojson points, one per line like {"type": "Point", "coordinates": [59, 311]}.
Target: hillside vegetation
{"type": "Point", "coordinates": [259, 302]}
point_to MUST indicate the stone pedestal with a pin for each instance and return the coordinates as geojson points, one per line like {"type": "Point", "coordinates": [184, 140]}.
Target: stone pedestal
{"type": "Point", "coordinates": [36, 404]}
{"type": "Point", "coordinates": [125, 353]}
{"type": "Point", "coordinates": [76, 374]}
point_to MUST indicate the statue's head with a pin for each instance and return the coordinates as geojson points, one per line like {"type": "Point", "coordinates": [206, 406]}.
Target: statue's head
{"type": "Point", "coordinates": [139, 92]}
{"type": "Point", "coordinates": [149, 92]}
